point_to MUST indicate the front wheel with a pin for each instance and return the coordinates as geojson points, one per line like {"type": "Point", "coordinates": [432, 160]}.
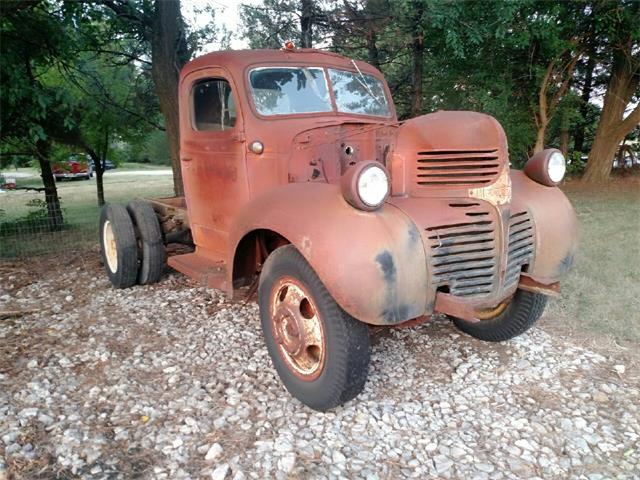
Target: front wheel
{"type": "Point", "coordinates": [508, 320]}
{"type": "Point", "coordinates": [320, 352]}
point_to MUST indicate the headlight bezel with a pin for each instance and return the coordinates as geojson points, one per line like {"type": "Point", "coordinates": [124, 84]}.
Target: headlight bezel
{"type": "Point", "coordinates": [350, 185]}
{"type": "Point", "coordinates": [537, 167]}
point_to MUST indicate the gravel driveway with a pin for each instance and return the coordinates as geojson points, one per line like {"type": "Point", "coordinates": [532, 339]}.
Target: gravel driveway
{"type": "Point", "coordinates": [173, 381]}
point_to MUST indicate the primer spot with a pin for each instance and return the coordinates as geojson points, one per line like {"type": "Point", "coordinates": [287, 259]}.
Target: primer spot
{"type": "Point", "coordinates": [388, 267]}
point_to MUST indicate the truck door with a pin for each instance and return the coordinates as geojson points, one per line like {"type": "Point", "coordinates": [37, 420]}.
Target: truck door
{"type": "Point", "coordinates": [212, 156]}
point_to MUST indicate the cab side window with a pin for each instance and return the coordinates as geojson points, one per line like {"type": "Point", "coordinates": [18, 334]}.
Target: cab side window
{"type": "Point", "coordinates": [213, 105]}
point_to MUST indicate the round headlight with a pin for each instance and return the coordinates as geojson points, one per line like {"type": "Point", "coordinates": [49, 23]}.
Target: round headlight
{"type": "Point", "coordinates": [373, 186]}
{"type": "Point", "coordinates": [365, 185]}
{"type": "Point", "coordinates": [556, 167]}
{"type": "Point", "coordinates": [546, 167]}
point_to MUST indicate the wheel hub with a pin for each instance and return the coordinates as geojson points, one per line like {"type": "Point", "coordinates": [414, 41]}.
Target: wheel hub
{"type": "Point", "coordinates": [297, 329]}
{"type": "Point", "coordinates": [110, 247]}
{"type": "Point", "coordinates": [287, 331]}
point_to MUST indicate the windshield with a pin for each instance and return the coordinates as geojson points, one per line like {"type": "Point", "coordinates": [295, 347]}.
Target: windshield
{"type": "Point", "coordinates": [359, 93]}
{"type": "Point", "coordinates": [286, 90]}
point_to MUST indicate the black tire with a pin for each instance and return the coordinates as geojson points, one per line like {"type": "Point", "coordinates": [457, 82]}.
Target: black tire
{"type": "Point", "coordinates": [124, 270]}
{"type": "Point", "coordinates": [522, 312]}
{"type": "Point", "coordinates": [347, 344]}
{"type": "Point", "coordinates": [150, 246]}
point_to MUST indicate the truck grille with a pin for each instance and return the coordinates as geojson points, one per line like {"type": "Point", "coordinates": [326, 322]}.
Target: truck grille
{"type": "Point", "coordinates": [463, 256]}
{"type": "Point", "coordinates": [446, 168]}
{"type": "Point", "coordinates": [521, 244]}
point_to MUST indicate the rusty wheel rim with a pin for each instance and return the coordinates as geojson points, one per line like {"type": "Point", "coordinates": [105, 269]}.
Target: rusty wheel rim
{"type": "Point", "coordinates": [491, 313]}
{"type": "Point", "coordinates": [297, 329]}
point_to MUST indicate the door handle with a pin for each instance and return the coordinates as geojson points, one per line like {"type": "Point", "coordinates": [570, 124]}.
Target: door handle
{"type": "Point", "coordinates": [186, 159]}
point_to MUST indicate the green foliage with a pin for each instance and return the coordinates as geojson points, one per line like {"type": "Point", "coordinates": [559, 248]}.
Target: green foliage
{"type": "Point", "coordinates": [35, 221]}
{"type": "Point", "coordinates": [153, 149]}
{"type": "Point", "coordinates": [484, 56]}
{"type": "Point", "coordinates": [273, 22]}
{"type": "Point", "coordinates": [577, 165]}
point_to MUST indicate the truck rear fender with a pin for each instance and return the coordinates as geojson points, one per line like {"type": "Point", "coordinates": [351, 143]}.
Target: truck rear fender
{"type": "Point", "coordinates": [372, 263]}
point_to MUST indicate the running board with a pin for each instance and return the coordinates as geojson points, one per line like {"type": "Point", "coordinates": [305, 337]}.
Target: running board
{"type": "Point", "coordinates": [202, 269]}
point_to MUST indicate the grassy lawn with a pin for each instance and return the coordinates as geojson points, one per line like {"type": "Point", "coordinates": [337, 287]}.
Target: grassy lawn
{"type": "Point", "coordinates": [601, 295]}
{"type": "Point", "coordinates": [142, 166]}
{"type": "Point", "coordinates": [80, 209]}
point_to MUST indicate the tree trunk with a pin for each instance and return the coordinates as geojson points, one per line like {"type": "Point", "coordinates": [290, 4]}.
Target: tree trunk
{"type": "Point", "coordinates": [601, 158]}
{"type": "Point", "coordinates": [100, 186]}
{"type": "Point", "coordinates": [547, 107]}
{"type": "Point", "coordinates": [306, 24]}
{"type": "Point", "coordinates": [54, 212]}
{"type": "Point", "coordinates": [99, 162]}
{"type": "Point", "coordinates": [612, 126]}
{"type": "Point", "coordinates": [169, 52]}
{"type": "Point", "coordinates": [564, 142]}
{"type": "Point", "coordinates": [542, 130]}
{"type": "Point", "coordinates": [417, 56]}
{"type": "Point", "coordinates": [578, 143]}
{"type": "Point", "coordinates": [373, 55]}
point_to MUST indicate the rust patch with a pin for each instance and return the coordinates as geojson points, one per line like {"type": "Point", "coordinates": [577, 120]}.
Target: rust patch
{"type": "Point", "coordinates": [498, 193]}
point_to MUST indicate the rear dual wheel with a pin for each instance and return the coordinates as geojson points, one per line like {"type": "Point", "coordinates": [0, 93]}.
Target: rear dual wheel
{"type": "Point", "coordinates": [320, 352]}
{"type": "Point", "coordinates": [149, 238]}
{"type": "Point", "coordinates": [118, 245]}
{"type": "Point", "coordinates": [131, 244]}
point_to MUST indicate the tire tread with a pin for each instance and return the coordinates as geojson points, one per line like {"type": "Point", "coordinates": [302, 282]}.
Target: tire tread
{"type": "Point", "coordinates": [151, 253]}
{"type": "Point", "coordinates": [523, 312]}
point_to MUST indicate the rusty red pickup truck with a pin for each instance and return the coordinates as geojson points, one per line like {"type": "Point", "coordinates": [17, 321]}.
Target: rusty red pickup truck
{"type": "Point", "coordinates": [301, 182]}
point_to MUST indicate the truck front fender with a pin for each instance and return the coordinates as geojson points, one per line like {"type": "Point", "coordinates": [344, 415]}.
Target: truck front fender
{"type": "Point", "coordinates": [372, 263]}
{"type": "Point", "coordinates": [556, 227]}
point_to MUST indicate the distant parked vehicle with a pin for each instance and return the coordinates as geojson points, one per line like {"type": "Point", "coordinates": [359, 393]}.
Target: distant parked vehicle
{"type": "Point", "coordinates": [75, 167]}
{"type": "Point", "coordinates": [108, 165]}
{"type": "Point", "coordinates": [628, 155]}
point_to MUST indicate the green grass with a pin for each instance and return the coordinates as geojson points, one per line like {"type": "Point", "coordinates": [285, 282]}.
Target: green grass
{"type": "Point", "coordinates": [80, 209]}
{"type": "Point", "coordinates": [601, 294]}
{"type": "Point", "coordinates": [142, 166]}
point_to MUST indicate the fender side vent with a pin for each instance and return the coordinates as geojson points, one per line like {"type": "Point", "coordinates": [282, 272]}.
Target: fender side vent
{"type": "Point", "coordinates": [463, 257]}
{"type": "Point", "coordinates": [521, 246]}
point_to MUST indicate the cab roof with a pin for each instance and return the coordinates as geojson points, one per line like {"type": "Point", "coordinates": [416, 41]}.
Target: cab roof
{"type": "Point", "coordinates": [236, 61]}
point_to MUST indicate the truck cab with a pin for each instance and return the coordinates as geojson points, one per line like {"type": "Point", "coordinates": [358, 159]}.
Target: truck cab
{"type": "Point", "coordinates": [300, 181]}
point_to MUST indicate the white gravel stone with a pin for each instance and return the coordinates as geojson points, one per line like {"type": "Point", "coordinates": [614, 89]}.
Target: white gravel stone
{"type": "Point", "coordinates": [524, 444]}
{"type": "Point", "coordinates": [288, 462]}
{"type": "Point", "coordinates": [213, 453]}
{"type": "Point", "coordinates": [485, 467]}
{"type": "Point", "coordinates": [338, 457]}
{"type": "Point", "coordinates": [220, 472]}
{"type": "Point", "coordinates": [442, 463]}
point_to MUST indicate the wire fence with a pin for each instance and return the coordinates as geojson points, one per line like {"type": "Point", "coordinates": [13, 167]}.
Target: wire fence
{"type": "Point", "coordinates": [27, 229]}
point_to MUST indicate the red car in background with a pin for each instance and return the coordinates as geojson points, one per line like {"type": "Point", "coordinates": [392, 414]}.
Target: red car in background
{"type": "Point", "coordinates": [73, 168]}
